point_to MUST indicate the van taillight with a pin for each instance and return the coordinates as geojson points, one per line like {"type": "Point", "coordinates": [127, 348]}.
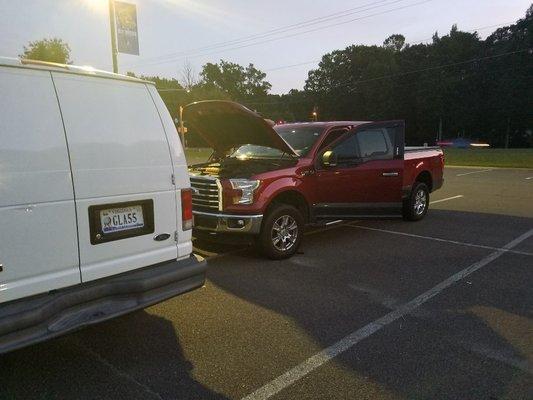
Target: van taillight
{"type": "Point", "coordinates": [186, 209]}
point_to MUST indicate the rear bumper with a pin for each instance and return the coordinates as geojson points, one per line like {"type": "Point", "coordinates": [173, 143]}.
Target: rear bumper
{"type": "Point", "coordinates": [227, 223]}
{"type": "Point", "coordinates": [38, 318]}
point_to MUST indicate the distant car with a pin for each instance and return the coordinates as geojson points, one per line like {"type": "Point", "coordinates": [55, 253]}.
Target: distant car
{"type": "Point", "coordinates": [461, 143]}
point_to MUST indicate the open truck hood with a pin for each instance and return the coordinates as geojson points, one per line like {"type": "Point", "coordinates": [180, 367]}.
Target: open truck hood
{"type": "Point", "coordinates": [225, 125]}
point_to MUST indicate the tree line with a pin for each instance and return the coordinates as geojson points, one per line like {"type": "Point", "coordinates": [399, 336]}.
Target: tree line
{"type": "Point", "coordinates": [458, 85]}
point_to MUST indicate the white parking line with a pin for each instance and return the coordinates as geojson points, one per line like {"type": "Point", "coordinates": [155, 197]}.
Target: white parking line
{"type": "Point", "coordinates": [480, 246]}
{"type": "Point", "coordinates": [446, 199]}
{"type": "Point", "coordinates": [333, 222]}
{"type": "Point", "coordinates": [474, 172]}
{"type": "Point", "coordinates": [327, 227]}
{"type": "Point", "coordinates": [204, 253]}
{"type": "Point", "coordinates": [319, 359]}
{"type": "Point", "coordinates": [529, 178]}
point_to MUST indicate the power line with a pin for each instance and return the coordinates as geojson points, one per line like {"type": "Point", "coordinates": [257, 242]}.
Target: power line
{"type": "Point", "coordinates": [407, 73]}
{"type": "Point", "coordinates": [434, 68]}
{"type": "Point", "coordinates": [282, 29]}
{"type": "Point", "coordinates": [417, 42]}
{"type": "Point", "coordinates": [297, 33]}
{"type": "Point", "coordinates": [268, 33]}
{"type": "Point", "coordinates": [174, 90]}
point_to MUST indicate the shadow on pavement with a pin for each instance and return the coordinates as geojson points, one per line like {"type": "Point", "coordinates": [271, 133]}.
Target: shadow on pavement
{"type": "Point", "coordinates": [137, 356]}
{"type": "Point", "coordinates": [439, 351]}
{"type": "Point", "coordinates": [469, 343]}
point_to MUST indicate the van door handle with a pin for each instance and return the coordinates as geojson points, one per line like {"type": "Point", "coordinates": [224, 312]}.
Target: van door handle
{"type": "Point", "coordinates": [390, 174]}
{"type": "Point", "coordinates": [28, 208]}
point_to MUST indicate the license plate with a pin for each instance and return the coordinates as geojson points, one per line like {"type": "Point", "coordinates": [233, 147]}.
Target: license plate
{"type": "Point", "coordinates": [121, 219]}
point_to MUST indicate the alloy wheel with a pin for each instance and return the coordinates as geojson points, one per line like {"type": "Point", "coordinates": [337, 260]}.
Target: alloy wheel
{"type": "Point", "coordinates": [420, 202]}
{"type": "Point", "coordinates": [284, 233]}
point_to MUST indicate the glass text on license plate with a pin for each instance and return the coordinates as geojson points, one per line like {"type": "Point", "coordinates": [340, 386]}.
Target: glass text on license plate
{"type": "Point", "coordinates": [121, 219]}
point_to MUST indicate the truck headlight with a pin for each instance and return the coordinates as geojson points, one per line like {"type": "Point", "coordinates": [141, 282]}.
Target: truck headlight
{"type": "Point", "coordinates": [247, 189]}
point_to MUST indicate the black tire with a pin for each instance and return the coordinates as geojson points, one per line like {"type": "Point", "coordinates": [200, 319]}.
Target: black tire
{"type": "Point", "coordinates": [266, 241]}
{"type": "Point", "coordinates": [415, 207]}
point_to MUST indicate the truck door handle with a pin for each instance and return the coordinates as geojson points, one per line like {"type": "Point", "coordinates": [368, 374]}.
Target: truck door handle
{"type": "Point", "coordinates": [390, 174]}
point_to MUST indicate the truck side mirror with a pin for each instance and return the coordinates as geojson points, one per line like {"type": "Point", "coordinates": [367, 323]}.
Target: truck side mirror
{"type": "Point", "coordinates": [329, 159]}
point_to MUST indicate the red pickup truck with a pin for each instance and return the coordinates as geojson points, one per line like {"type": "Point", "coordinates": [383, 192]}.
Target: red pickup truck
{"type": "Point", "coordinates": [268, 182]}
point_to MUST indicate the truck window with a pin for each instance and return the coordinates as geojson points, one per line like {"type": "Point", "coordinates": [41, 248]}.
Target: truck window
{"type": "Point", "coordinates": [332, 136]}
{"type": "Point", "coordinates": [347, 151]}
{"type": "Point", "coordinates": [301, 139]}
{"type": "Point", "coordinates": [374, 144]}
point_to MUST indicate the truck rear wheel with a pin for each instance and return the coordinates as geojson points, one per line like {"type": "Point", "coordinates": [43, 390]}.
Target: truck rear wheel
{"type": "Point", "coordinates": [415, 207]}
{"type": "Point", "coordinates": [281, 233]}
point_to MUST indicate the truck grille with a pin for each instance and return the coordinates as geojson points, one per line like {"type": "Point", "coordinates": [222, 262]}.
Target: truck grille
{"type": "Point", "coordinates": [206, 194]}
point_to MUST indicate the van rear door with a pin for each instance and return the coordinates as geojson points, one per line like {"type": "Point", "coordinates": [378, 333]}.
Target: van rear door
{"type": "Point", "coordinates": [122, 172]}
{"type": "Point", "coordinates": [181, 172]}
{"type": "Point", "coordinates": [38, 239]}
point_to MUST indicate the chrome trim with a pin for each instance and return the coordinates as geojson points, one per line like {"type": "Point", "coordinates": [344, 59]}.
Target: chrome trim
{"type": "Point", "coordinates": [205, 184]}
{"type": "Point", "coordinates": [377, 216]}
{"type": "Point", "coordinates": [358, 205]}
{"type": "Point", "coordinates": [219, 185]}
{"type": "Point", "coordinates": [228, 215]}
{"type": "Point", "coordinates": [390, 174]}
{"type": "Point", "coordinates": [252, 223]}
{"type": "Point", "coordinates": [207, 192]}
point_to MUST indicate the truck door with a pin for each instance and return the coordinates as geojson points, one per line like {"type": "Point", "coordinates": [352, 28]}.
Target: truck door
{"type": "Point", "coordinates": [38, 237]}
{"type": "Point", "coordinates": [361, 174]}
{"type": "Point", "coordinates": [122, 172]}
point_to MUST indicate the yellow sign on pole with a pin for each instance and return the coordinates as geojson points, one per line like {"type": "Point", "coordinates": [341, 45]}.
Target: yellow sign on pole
{"type": "Point", "coordinates": [126, 23]}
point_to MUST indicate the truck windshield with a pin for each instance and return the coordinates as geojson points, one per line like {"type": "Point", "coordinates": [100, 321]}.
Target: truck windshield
{"type": "Point", "coordinates": [300, 139]}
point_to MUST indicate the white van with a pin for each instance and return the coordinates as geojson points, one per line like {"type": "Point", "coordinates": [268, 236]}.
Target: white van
{"type": "Point", "coordinates": [95, 200]}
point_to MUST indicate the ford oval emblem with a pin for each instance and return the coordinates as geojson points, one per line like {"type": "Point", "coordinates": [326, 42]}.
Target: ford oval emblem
{"type": "Point", "coordinates": [162, 237]}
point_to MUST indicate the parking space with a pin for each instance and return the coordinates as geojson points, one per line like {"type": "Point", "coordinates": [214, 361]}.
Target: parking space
{"type": "Point", "coordinates": [336, 321]}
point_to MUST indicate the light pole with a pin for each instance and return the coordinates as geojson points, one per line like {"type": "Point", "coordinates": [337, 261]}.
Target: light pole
{"type": "Point", "coordinates": [182, 129]}
{"type": "Point", "coordinates": [114, 51]}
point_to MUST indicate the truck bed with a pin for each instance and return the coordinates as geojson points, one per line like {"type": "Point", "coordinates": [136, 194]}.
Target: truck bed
{"type": "Point", "coordinates": [411, 149]}
{"type": "Point", "coordinates": [418, 159]}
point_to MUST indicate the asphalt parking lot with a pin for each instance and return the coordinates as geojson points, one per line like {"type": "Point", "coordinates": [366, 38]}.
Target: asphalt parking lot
{"type": "Point", "coordinates": [438, 309]}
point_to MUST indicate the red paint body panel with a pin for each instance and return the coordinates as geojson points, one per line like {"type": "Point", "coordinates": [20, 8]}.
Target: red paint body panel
{"type": "Point", "coordinates": [362, 184]}
{"type": "Point", "coordinates": [431, 160]}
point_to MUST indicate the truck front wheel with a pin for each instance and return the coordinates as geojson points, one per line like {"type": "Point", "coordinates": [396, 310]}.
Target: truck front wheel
{"type": "Point", "coordinates": [416, 205]}
{"type": "Point", "coordinates": [281, 233]}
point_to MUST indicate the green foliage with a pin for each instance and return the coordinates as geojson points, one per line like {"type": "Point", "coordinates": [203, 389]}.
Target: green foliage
{"type": "Point", "coordinates": [234, 80]}
{"type": "Point", "coordinates": [197, 155]}
{"type": "Point", "coordinates": [507, 158]}
{"type": "Point", "coordinates": [477, 88]}
{"type": "Point", "coordinates": [50, 50]}
{"type": "Point", "coordinates": [394, 42]}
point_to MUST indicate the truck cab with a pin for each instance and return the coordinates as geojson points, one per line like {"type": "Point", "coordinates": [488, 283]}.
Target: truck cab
{"type": "Point", "coordinates": [267, 182]}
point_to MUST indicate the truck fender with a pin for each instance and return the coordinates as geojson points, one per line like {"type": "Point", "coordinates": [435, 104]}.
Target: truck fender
{"type": "Point", "coordinates": [287, 190]}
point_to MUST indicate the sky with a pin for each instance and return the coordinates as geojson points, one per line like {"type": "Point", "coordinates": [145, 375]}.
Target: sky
{"type": "Point", "coordinates": [173, 32]}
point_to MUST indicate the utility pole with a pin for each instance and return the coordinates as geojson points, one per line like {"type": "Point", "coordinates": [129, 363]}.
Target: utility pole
{"type": "Point", "coordinates": [114, 50]}
{"type": "Point", "coordinates": [315, 114]}
{"type": "Point", "coordinates": [182, 129]}
{"type": "Point", "coordinates": [508, 132]}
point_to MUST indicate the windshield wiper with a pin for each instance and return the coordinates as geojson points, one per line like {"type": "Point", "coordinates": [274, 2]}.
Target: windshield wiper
{"type": "Point", "coordinates": [291, 155]}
